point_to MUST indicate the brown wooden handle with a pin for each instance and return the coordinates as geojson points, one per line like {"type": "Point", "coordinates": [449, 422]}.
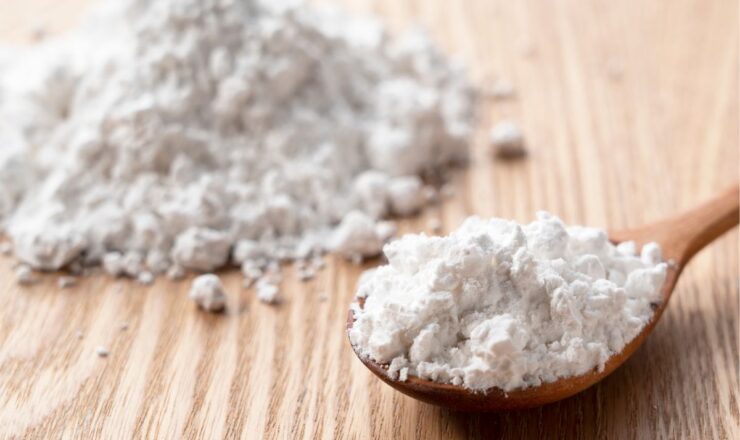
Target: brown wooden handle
{"type": "Point", "coordinates": [703, 224]}
{"type": "Point", "coordinates": [682, 236]}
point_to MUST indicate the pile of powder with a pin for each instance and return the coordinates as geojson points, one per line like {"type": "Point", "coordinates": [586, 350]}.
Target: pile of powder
{"type": "Point", "coordinates": [193, 134]}
{"type": "Point", "coordinates": [499, 304]}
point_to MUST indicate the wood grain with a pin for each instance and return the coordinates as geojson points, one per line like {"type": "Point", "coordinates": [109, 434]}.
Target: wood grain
{"type": "Point", "coordinates": [630, 110]}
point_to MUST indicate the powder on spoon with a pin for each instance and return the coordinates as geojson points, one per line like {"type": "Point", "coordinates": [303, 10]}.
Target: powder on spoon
{"type": "Point", "coordinates": [499, 304]}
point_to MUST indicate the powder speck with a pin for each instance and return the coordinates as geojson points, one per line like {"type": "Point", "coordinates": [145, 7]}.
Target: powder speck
{"type": "Point", "coordinates": [65, 282]}
{"type": "Point", "coordinates": [268, 292]}
{"type": "Point", "coordinates": [24, 275]}
{"type": "Point", "coordinates": [507, 140]}
{"type": "Point", "coordinates": [208, 292]}
{"type": "Point", "coordinates": [102, 351]}
{"type": "Point", "coordinates": [145, 278]}
{"type": "Point", "coordinates": [176, 272]}
{"type": "Point", "coordinates": [500, 90]}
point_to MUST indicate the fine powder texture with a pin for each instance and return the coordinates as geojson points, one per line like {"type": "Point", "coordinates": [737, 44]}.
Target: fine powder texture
{"type": "Point", "coordinates": [499, 304]}
{"type": "Point", "coordinates": [192, 134]}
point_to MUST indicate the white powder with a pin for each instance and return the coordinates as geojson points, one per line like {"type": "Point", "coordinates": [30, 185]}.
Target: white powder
{"type": "Point", "coordinates": [24, 275]}
{"type": "Point", "coordinates": [360, 236]}
{"type": "Point", "coordinates": [500, 90]}
{"type": "Point", "coordinates": [102, 351]}
{"type": "Point", "coordinates": [498, 304]}
{"type": "Point", "coordinates": [268, 291]}
{"type": "Point", "coordinates": [65, 282]}
{"type": "Point", "coordinates": [175, 272]}
{"type": "Point", "coordinates": [145, 278]}
{"type": "Point", "coordinates": [192, 134]}
{"type": "Point", "coordinates": [208, 292]}
{"type": "Point", "coordinates": [507, 140]}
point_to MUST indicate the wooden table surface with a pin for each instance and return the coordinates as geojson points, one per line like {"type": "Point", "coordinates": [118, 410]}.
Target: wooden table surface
{"type": "Point", "coordinates": [630, 109]}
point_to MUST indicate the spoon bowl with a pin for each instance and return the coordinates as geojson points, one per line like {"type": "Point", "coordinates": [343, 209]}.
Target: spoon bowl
{"type": "Point", "coordinates": [680, 238]}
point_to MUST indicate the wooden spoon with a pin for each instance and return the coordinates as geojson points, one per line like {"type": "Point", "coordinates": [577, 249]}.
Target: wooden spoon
{"type": "Point", "coordinates": [680, 238]}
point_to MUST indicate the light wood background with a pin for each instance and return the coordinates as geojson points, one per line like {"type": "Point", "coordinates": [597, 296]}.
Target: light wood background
{"type": "Point", "coordinates": [630, 109]}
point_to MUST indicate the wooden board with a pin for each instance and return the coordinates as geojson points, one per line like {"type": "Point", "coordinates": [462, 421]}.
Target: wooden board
{"type": "Point", "coordinates": [630, 110]}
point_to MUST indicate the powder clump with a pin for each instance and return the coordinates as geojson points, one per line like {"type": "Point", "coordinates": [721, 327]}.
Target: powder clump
{"type": "Point", "coordinates": [208, 292]}
{"type": "Point", "coordinates": [507, 140]}
{"type": "Point", "coordinates": [499, 304]}
{"type": "Point", "coordinates": [166, 134]}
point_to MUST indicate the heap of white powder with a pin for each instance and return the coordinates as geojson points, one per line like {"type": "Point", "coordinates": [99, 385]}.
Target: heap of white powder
{"type": "Point", "coordinates": [499, 304]}
{"type": "Point", "coordinates": [194, 134]}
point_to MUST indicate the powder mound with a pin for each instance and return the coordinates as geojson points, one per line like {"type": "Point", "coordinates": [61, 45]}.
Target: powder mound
{"type": "Point", "coordinates": [499, 304]}
{"type": "Point", "coordinates": [170, 133]}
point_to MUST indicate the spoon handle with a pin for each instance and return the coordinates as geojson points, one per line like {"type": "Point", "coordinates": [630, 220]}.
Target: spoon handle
{"type": "Point", "coordinates": [683, 235]}
{"type": "Point", "coordinates": [705, 223]}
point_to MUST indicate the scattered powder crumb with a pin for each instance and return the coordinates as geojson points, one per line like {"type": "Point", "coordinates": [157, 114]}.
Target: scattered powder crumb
{"type": "Point", "coordinates": [65, 282]}
{"type": "Point", "coordinates": [251, 270]}
{"type": "Point", "coordinates": [24, 275]}
{"type": "Point", "coordinates": [323, 296]}
{"type": "Point", "coordinates": [501, 90]}
{"type": "Point", "coordinates": [435, 225]}
{"type": "Point", "coordinates": [145, 278]}
{"type": "Point", "coordinates": [268, 292]}
{"type": "Point", "coordinates": [124, 326]}
{"type": "Point", "coordinates": [101, 351]}
{"type": "Point", "coordinates": [318, 263]}
{"type": "Point", "coordinates": [208, 292]}
{"type": "Point", "coordinates": [176, 272]}
{"type": "Point", "coordinates": [507, 140]}
{"type": "Point", "coordinates": [506, 305]}
{"type": "Point", "coordinates": [6, 248]}
{"type": "Point", "coordinates": [431, 195]}
{"type": "Point", "coordinates": [79, 334]}
{"type": "Point", "coordinates": [306, 274]}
